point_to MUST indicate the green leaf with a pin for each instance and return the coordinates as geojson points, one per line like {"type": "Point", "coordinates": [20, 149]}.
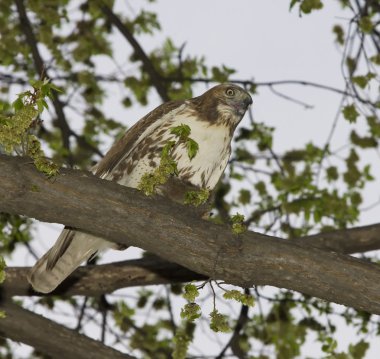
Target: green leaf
{"type": "Point", "coordinates": [182, 131]}
{"type": "Point", "coordinates": [244, 196]}
{"type": "Point", "coordinates": [182, 339]}
{"type": "Point", "coordinates": [363, 80]}
{"type": "Point", "coordinates": [18, 104]}
{"type": "Point", "coordinates": [245, 299]}
{"type": "Point", "coordinates": [366, 24]}
{"type": "Point", "coordinates": [350, 113]}
{"type": "Point", "coordinates": [363, 142]}
{"type": "Point", "coordinates": [332, 173]}
{"type": "Point", "coordinates": [190, 292]}
{"type": "Point", "coordinates": [219, 322]}
{"type": "Point", "coordinates": [307, 6]}
{"type": "Point", "coordinates": [238, 225]}
{"type": "Point", "coordinates": [358, 350]}
{"type": "Point", "coordinates": [375, 59]}
{"type": "Point", "coordinates": [192, 148]}
{"type": "Point", "coordinates": [197, 198]}
{"type": "Point", "coordinates": [339, 34]}
{"type": "Point", "coordinates": [330, 345]}
{"type": "Point", "coordinates": [292, 3]}
{"type": "Point", "coordinates": [191, 311]}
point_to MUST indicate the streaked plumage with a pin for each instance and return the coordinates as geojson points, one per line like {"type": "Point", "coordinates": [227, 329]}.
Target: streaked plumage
{"type": "Point", "coordinates": [212, 119]}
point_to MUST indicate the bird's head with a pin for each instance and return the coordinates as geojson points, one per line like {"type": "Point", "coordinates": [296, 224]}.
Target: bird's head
{"type": "Point", "coordinates": [233, 98]}
{"type": "Point", "coordinates": [225, 103]}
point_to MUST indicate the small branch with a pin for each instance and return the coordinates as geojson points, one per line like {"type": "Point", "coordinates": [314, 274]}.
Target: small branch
{"type": "Point", "coordinates": [81, 314]}
{"type": "Point", "coordinates": [305, 105]}
{"type": "Point", "coordinates": [170, 309]}
{"type": "Point", "coordinates": [51, 338]}
{"type": "Point", "coordinates": [157, 81]}
{"type": "Point", "coordinates": [272, 84]}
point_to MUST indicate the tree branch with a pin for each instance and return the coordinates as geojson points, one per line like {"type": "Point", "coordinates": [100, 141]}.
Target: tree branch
{"type": "Point", "coordinates": [39, 66]}
{"type": "Point", "coordinates": [272, 84]}
{"type": "Point", "coordinates": [105, 278]}
{"type": "Point", "coordinates": [140, 53]}
{"type": "Point", "coordinates": [174, 232]}
{"type": "Point", "coordinates": [49, 337]}
{"type": "Point", "coordinates": [347, 241]}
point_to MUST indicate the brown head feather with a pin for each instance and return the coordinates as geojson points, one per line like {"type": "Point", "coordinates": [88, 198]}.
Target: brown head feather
{"type": "Point", "coordinates": [228, 95]}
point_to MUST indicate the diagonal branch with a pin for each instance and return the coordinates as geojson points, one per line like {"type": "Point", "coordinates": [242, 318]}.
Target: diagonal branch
{"type": "Point", "coordinates": [49, 337]}
{"type": "Point", "coordinates": [139, 51]}
{"type": "Point", "coordinates": [27, 30]}
{"type": "Point", "coordinates": [39, 66]}
{"type": "Point", "coordinates": [175, 233]}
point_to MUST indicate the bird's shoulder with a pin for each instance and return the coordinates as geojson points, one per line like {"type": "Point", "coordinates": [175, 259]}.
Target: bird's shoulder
{"type": "Point", "coordinates": [141, 129]}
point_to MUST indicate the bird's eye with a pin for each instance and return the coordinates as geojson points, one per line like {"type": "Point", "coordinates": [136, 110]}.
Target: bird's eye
{"type": "Point", "coordinates": [230, 92]}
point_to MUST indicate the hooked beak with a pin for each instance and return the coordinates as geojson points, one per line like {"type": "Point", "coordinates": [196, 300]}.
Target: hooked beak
{"type": "Point", "coordinates": [248, 101]}
{"type": "Point", "coordinates": [244, 104]}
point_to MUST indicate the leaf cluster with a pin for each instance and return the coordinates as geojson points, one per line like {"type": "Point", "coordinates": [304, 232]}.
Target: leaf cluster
{"type": "Point", "coordinates": [16, 131]}
{"type": "Point", "coordinates": [168, 166]}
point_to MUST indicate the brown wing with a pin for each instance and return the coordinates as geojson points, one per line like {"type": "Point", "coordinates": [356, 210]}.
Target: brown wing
{"type": "Point", "coordinates": [122, 148]}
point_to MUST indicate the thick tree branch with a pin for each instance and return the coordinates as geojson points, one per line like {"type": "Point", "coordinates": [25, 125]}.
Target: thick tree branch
{"type": "Point", "coordinates": [49, 337]}
{"type": "Point", "coordinates": [106, 278]}
{"type": "Point", "coordinates": [353, 240]}
{"type": "Point", "coordinates": [155, 77]}
{"type": "Point", "coordinates": [173, 232]}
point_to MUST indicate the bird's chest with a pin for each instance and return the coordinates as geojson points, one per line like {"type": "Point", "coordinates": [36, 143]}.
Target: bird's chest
{"type": "Point", "coordinates": [203, 170]}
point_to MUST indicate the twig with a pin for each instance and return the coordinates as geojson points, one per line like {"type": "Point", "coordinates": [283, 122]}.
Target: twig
{"type": "Point", "coordinates": [81, 315]}
{"type": "Point", "coordinates": [291, 99]}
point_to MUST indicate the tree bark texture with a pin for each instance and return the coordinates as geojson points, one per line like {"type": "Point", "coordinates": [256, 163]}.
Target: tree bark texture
{"type": "Point", "coordinates": [175, 233]}
{"type": "Point", "coordinates": [51, 338]}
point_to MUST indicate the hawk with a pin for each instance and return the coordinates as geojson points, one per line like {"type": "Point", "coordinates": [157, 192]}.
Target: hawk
{"type": "Point", "coordinates": [212, 118]}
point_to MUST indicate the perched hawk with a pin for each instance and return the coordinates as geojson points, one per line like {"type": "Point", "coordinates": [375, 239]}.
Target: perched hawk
{"type": "Point", "coordinates": [212, 118]}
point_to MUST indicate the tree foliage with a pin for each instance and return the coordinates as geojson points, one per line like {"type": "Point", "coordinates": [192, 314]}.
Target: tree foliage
{"type": "Point", "coordinates": [70, 46]}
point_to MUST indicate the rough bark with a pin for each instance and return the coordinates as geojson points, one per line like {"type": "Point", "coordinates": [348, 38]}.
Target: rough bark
{"type": "Point", "coordinates": [51, 338]}
{"type": "Point", "coordinates": [106, 278]}
{"type": "Point", "coordinates": [174, 233]}
{"type": "Point", "coordinates": [353, 240]}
